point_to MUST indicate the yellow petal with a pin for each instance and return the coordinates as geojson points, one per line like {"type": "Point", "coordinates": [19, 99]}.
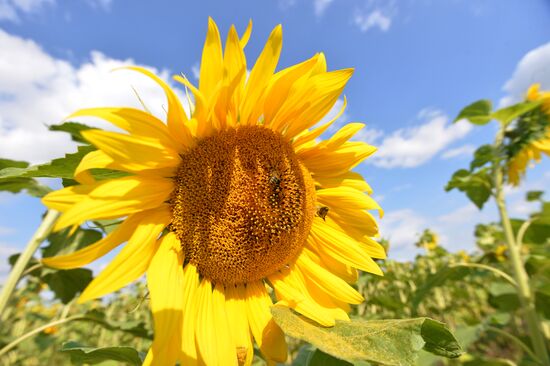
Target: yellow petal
{"type": "Point", "coordinates": [308, 136]}
{"type": "Point", "coordinates": [132, 153]}
{"type": "Point", "coordinates": [342, 270]}
{"type": "Point", "coordinates": [269, 337]}
{"type": "Point", "coordinates": [234, 60]}
{"type": "Point", "coordinates": [331, 163]}
{"type": "Point", "coordinates": [189, 353]}
{"type": "Point", "coordinates": [97, 250]}
{"type": "Point", "coordinates": [281, 85]}
{"type": "Point", "coordinates": [261, 74]}
{"type": "Point", "coordinates": [226, 347]}
{"type": "Point", "coordinates": [133, 260]}
{"type": "Point", "coordinates": [176, 115]}
{"type": "Point", "coordinates": [343, 248]}
{"type": "Point", "coordinates": [235, 302]}
{"type": "Point", "coordinates": [116, 198]}
{"type": "Point", "coordinates": [328, 282]}
{"type": "Point", "coordinates": [200, 114]}
{"type": "Point", "coordinates": [93, 160]}
{"type": "Point", "coordinates": [246, 34]}
{"type": "Point", "coordinates": [65, 198]}
{"type": "Point", "coordinates": [335, 141]}
{"type": "Point", "coordinates": [205, 332]}
{"type": "Point", "coordinates": [165, 281]}
{"type": "Point", "coordinates": [348, 179]}
{"type": "Point", "coordinates": [292, 290]}
{"type": "Point", "coordinates": [211, 70]}
{"type": "Point", "coordinates": [309, 104]}
{"type": "Point", "coordinates": [347, 198]}
{"type": "Point", "coordinates": [134, 121]}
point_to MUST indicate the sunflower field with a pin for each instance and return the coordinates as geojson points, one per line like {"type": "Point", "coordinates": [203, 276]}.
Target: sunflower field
{"type": "Point", "coordinates": [259, 241]}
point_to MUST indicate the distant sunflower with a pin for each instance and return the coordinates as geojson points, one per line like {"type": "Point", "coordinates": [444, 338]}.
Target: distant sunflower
{"type": "Point", "coordinates": [530, 137]}
{"type": "Point", "coordinates": [231, 209]}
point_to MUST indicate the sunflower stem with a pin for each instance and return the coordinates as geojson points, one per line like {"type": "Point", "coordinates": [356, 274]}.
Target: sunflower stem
{"type": "Point", "coordinates": [39, 236]}
{"type": "Point", "coordinates": [524, 292]}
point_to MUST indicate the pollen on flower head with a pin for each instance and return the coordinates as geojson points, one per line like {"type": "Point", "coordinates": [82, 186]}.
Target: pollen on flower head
{"type": "Point", "coordinates": [243, 204]}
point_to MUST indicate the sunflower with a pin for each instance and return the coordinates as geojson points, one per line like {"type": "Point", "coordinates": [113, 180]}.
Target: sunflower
{"type": "Point", "coordinates": [230, 209]}
{"type": "Point", "coordinates": [530, 137]}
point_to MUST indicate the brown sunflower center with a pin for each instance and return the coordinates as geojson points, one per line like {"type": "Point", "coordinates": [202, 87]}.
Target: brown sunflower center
{"type": "Point", "coordinates": [243, 205]}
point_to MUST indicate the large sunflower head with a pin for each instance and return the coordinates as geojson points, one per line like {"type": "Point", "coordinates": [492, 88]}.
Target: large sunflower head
{"type": "Point", "coordinates": [231, 208]}
{"type": "Point", "coordinates": [530, 136]}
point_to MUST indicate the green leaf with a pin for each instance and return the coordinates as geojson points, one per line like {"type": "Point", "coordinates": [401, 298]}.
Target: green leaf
{"type": "Point", "coordinates": [66, 284]}
{"type": "Point", "coordinates": [483, 361]}
{"type": "Point", "coordinates": [503, 297]}
{"type": "Point", "coordinates": [134, 327]}
{"type": "Point", "coordinates": [387, 342]}
{"type": "Point", "coordinates": [435, 280]}
{"type": "Point", "coordinates": [73, 128]}
{"type": "Point", "coordinates": [508, 114]}
{"type": "Point", "coordinates": [61, 243]}
{"type": "Point", "coordinates": [534, 195]}
{"type": "Point", "coordinates": [478, 113]}
{"type": "Point", "coordinates": [17, 185]}
{"type": "Point", "coordinates": [320, 358]}
{"type": "Point", "coordinates": [483, 155]}
{"type": "Point", "coordinates": [303, 355]}
{"type": "Point", "coordinates": [57, 168]}
{"type": "Point", "coordinates": [468, 334]}
{"type": "Point", "coordinates": [477, 185]}
{"type": "Point", "coordinates": [81, 354]}
{"type": "Point", "coordinates": [60, 168]}
{"type": "Point", "coordinates": [7, 163]}
{"type": "Point", "coordinates": [537, 233]}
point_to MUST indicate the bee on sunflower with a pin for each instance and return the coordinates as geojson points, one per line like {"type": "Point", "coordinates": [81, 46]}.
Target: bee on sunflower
{"type": "Point", "coordinates": [530, 136]}
{"type": "Point", "coordinates": [219, 238]}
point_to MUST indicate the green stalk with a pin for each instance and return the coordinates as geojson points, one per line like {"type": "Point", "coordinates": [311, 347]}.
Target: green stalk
{"type": "Point", "coordinates": [40, 235]}
{"type": "Point", "coordinates": [524, 292]}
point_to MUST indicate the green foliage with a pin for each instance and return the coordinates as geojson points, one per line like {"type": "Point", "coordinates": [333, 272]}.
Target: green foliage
{"type": "Point", "coordinates": [72, 128]}
{"type": "Point", "coordinates": [478, 113]}
{"type": "Point", "coordinates": [387, 342]}
{"type": "Point", "coordinates": [508, 114]}
{"type": "Point", "coordinates": [88, 355]}
{"type": "Point", "coordinates": [435, 280]}
{"type": "Point", "coordinates": [66, 284]}
{"type": "Point", "coordinates": [19, 184]}
{"type": "Point", "coordinates": [477, 185]}
{"type": "Point", "coordinates": [534, 196]}
{"type": "Point", "coordinates": [529, 127]}
{"type": "Point", "coordinates": [63, 242]}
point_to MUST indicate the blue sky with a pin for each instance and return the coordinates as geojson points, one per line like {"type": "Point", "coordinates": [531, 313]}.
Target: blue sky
{"type": "Point", "coordinates": [417, 63]}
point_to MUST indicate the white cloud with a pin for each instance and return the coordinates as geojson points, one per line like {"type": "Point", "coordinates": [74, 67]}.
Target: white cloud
{"type": "Point", "coordinates": [375, 14]}
{"type": "Point", "coordinates": [402, 228]}
{"type": "Point", "coordinates": [458, 151]}
{"type": "Point", "coordinates": [286, 4]}
{"type": "Point", "coordinates": [371, 19]}
{"type": "Point", "coordinates": [460, 215]}
{"type": "Point", "coordinates": [38, 89]}
{"type": "Point", "coordinates": [320, 6]}
{"type": "Point", "coordinates": [196, 71]}
{"type": "Point", "coordinates": [102, 4]}
{"type": "Point", "coordinates": [455, 229]}
{"type": "Point", "coordinates": [11, 10]}
{"type": "Point", "coordinates": [413, 146]}
{"type": "Point", "coordinates": [532, 68]}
